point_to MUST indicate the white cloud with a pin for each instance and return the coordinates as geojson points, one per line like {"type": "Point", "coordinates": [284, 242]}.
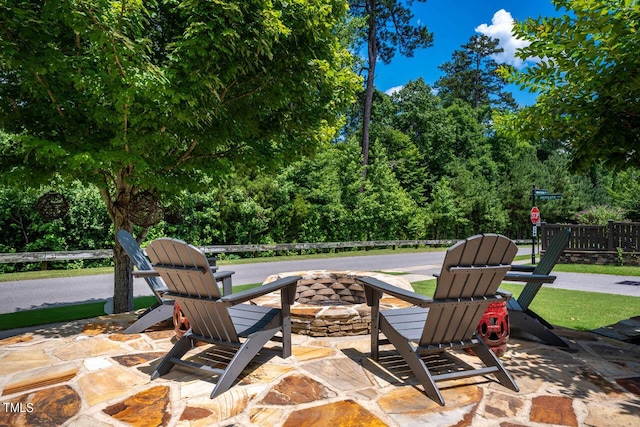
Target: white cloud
{"type": "Point", "coordinates": [393, 90]}
{"type": "Point", "coordinates": [501, 28]}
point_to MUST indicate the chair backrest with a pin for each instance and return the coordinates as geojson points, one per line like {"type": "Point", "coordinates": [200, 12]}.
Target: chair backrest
{"type": "Point", "coordinates": [132, 248]}
{"type": "Point", "coordinates": [471, 274]}
{"type": "Point", "coordinates": [557, 245]}
{"type": "Point", "coordinates": [187, 273]}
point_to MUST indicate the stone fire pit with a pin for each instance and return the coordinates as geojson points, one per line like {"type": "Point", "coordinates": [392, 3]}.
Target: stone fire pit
{"type": "Point", "coordinates": [332, 303]}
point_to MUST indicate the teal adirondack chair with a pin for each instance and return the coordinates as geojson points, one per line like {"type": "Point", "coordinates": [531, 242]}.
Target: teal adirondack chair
{"type": "Point", "coordinates": [524, 321]}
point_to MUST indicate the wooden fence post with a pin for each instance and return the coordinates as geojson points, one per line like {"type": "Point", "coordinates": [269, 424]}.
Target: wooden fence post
{"type": "Point", "coordinates": [610, 237]}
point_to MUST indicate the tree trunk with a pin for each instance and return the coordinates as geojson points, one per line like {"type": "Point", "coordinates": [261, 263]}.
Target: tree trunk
{"type": "Point", "coordinates": [123, 272]}
{"type": "Point", "coordinates": [118, 207]}
{"type": "Point", "coordinates": [372, 49]}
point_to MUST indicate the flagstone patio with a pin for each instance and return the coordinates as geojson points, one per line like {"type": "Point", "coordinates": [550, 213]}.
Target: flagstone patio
{"type": "Point", "coordinates": [87, 373]}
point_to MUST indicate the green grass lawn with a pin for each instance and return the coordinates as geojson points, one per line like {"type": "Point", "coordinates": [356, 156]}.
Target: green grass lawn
{"type": "Point", "coordinates": [51, 274]}
{"type": "Point", "coordinates": [619, 270]}
{"type": "Point", "coordinates": [66, 313]}
{"type": "Point", "coordinates": [43, 316]}
{"type": "Point", "coordinates": [577, 310]}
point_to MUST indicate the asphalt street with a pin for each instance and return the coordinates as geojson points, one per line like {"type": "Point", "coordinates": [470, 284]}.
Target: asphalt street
{"type": "Point", "coordinates": [30, 294]}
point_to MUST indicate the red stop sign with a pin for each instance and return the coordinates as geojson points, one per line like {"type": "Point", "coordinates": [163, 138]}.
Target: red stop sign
{"type": "Point", "coordinates": [535, 215]}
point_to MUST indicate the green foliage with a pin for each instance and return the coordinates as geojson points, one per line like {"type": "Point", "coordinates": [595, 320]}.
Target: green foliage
{"type": "Point", "coordinates": [620, 256]}
{"type": "Point", "coordinates": [405, 161]}
{"type": "Point", "coordinates": [625, 192]}
{"type": "Point", "coordinates": [384, 210]}
{"type": "Point", "coordinates": [146, 99]}
{"type": "Point", "coordinates": [419, 114]}
{"type": "Point", "coordinates": [86, 225]}
{"type": "Point", "coordinates": [471, 76]}
{"type": "Point", "coordinates": [309, 203]}
{"type": "Point", "coordinates": [107, 85]}
{"type": "Point", "coordinates": [600, 215]}
{"type": "Point", "coordinates": [129, 101]}
{"type": "Point", "coordinates": [587, 81]}
{"type": "Point", "coordinates": [445, 216]}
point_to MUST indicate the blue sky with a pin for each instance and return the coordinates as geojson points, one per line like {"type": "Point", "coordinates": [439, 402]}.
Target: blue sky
{"type": "Point", "coordinates": [452, 24]}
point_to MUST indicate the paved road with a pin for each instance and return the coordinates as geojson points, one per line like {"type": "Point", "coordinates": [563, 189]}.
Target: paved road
{"type": "Point", "coordinates": [30, 294]}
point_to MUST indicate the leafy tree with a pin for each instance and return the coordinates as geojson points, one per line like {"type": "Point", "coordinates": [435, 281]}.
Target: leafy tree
{"type": "Point", "coordinates": [444, 213]}
{"type": "Point", "coordinates": [471, 76]}
{"type": "Point", "coordinates": [475, 184]}
{"type": "Point", "coordinates": [586, 75]}
{"type": "Point", "coordinates": [87, 224]}
{"type": "Point", "coordinates": [388, 28]}
{"type": "Point", "coordinates": [626, 192]}
{"type": "Point", "coordinates": [419, 115]}
{"type": "Point", "coordinates": [309, 205]}
{"type": "Point", "coordinates": [144, 99]}
{"type": "Point", "coordinates": [16, 219]}
{"type": "Point", "coordinates": [405, 161]}
{"type": "Point", "coordinates": [26, 223]}
{"type": "Point", "coordinates": [384, 210]}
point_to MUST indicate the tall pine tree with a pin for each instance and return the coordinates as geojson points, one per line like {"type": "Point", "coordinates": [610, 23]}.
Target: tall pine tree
{"type": "Point", "coordinates": [471, 77]}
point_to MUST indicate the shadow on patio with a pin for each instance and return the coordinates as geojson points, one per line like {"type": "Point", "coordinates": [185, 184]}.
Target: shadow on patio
{"type": "Point", "coordinates": [89, 373]}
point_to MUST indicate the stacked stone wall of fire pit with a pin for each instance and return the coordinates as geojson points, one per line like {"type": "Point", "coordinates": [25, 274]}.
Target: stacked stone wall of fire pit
{"type": "Point", "coordinates": [329, 288]}
{"type": "Point", "coordinates": [331, 303]}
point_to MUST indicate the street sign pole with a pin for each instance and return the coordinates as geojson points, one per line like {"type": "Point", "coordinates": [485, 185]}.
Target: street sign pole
{"type": "Point", "coordinates": [533, 237]}
{"type": "Point", "coordinates": [538, 194]}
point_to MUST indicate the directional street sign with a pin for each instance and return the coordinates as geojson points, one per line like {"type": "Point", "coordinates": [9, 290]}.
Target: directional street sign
{"type": "Point", "coordinates": [549, 197]}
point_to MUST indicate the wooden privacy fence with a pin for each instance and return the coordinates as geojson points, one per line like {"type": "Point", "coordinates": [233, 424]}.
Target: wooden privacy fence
{"type": "Point", "coordinates": [598, 238]}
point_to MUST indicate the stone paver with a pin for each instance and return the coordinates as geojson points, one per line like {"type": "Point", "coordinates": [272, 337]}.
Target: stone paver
{"type": "Point", "coordinates": [88, 373]}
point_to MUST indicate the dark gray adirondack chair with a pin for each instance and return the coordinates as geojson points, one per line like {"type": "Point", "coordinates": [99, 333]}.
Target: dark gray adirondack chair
{"type": "Point", "coordinates": [239, 330]}
{"type": "Point", "coordinates": [163, 308]}
{"type": "Point", "coordinates": [523, 319]}
{"type": "Point", "coordinates": [471, 274]}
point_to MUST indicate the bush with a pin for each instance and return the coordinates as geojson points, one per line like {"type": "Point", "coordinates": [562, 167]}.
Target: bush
{"type": "Point", "coordinates": [600, 215]}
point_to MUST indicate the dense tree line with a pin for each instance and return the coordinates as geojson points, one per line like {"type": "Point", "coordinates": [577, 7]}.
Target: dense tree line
{"type": "Point", "coordinates": [151, 119]}
{"type": "Point", "coordinates": [437, 171]}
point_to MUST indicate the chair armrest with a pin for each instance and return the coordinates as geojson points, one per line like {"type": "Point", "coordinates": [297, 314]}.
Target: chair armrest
{"type": "Point", "coordinates": [225, 278]}
{"type": "Point", "coordinates": [258, 291]}
{"type": "Point", "coordinates": [403, 294]}
{"type": "Point", "coordinates": [504, 294]}
{"type": "Point", "coordinates": [153, 273]}
{"type": "Point", "coordinates": [219, 275]}
{"type": "Point", "coordinates": [145, 273]}
{"type": "Point", "coordinates": [537, 278]}
{"type": "Point", "coordinates": [522, 267]}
